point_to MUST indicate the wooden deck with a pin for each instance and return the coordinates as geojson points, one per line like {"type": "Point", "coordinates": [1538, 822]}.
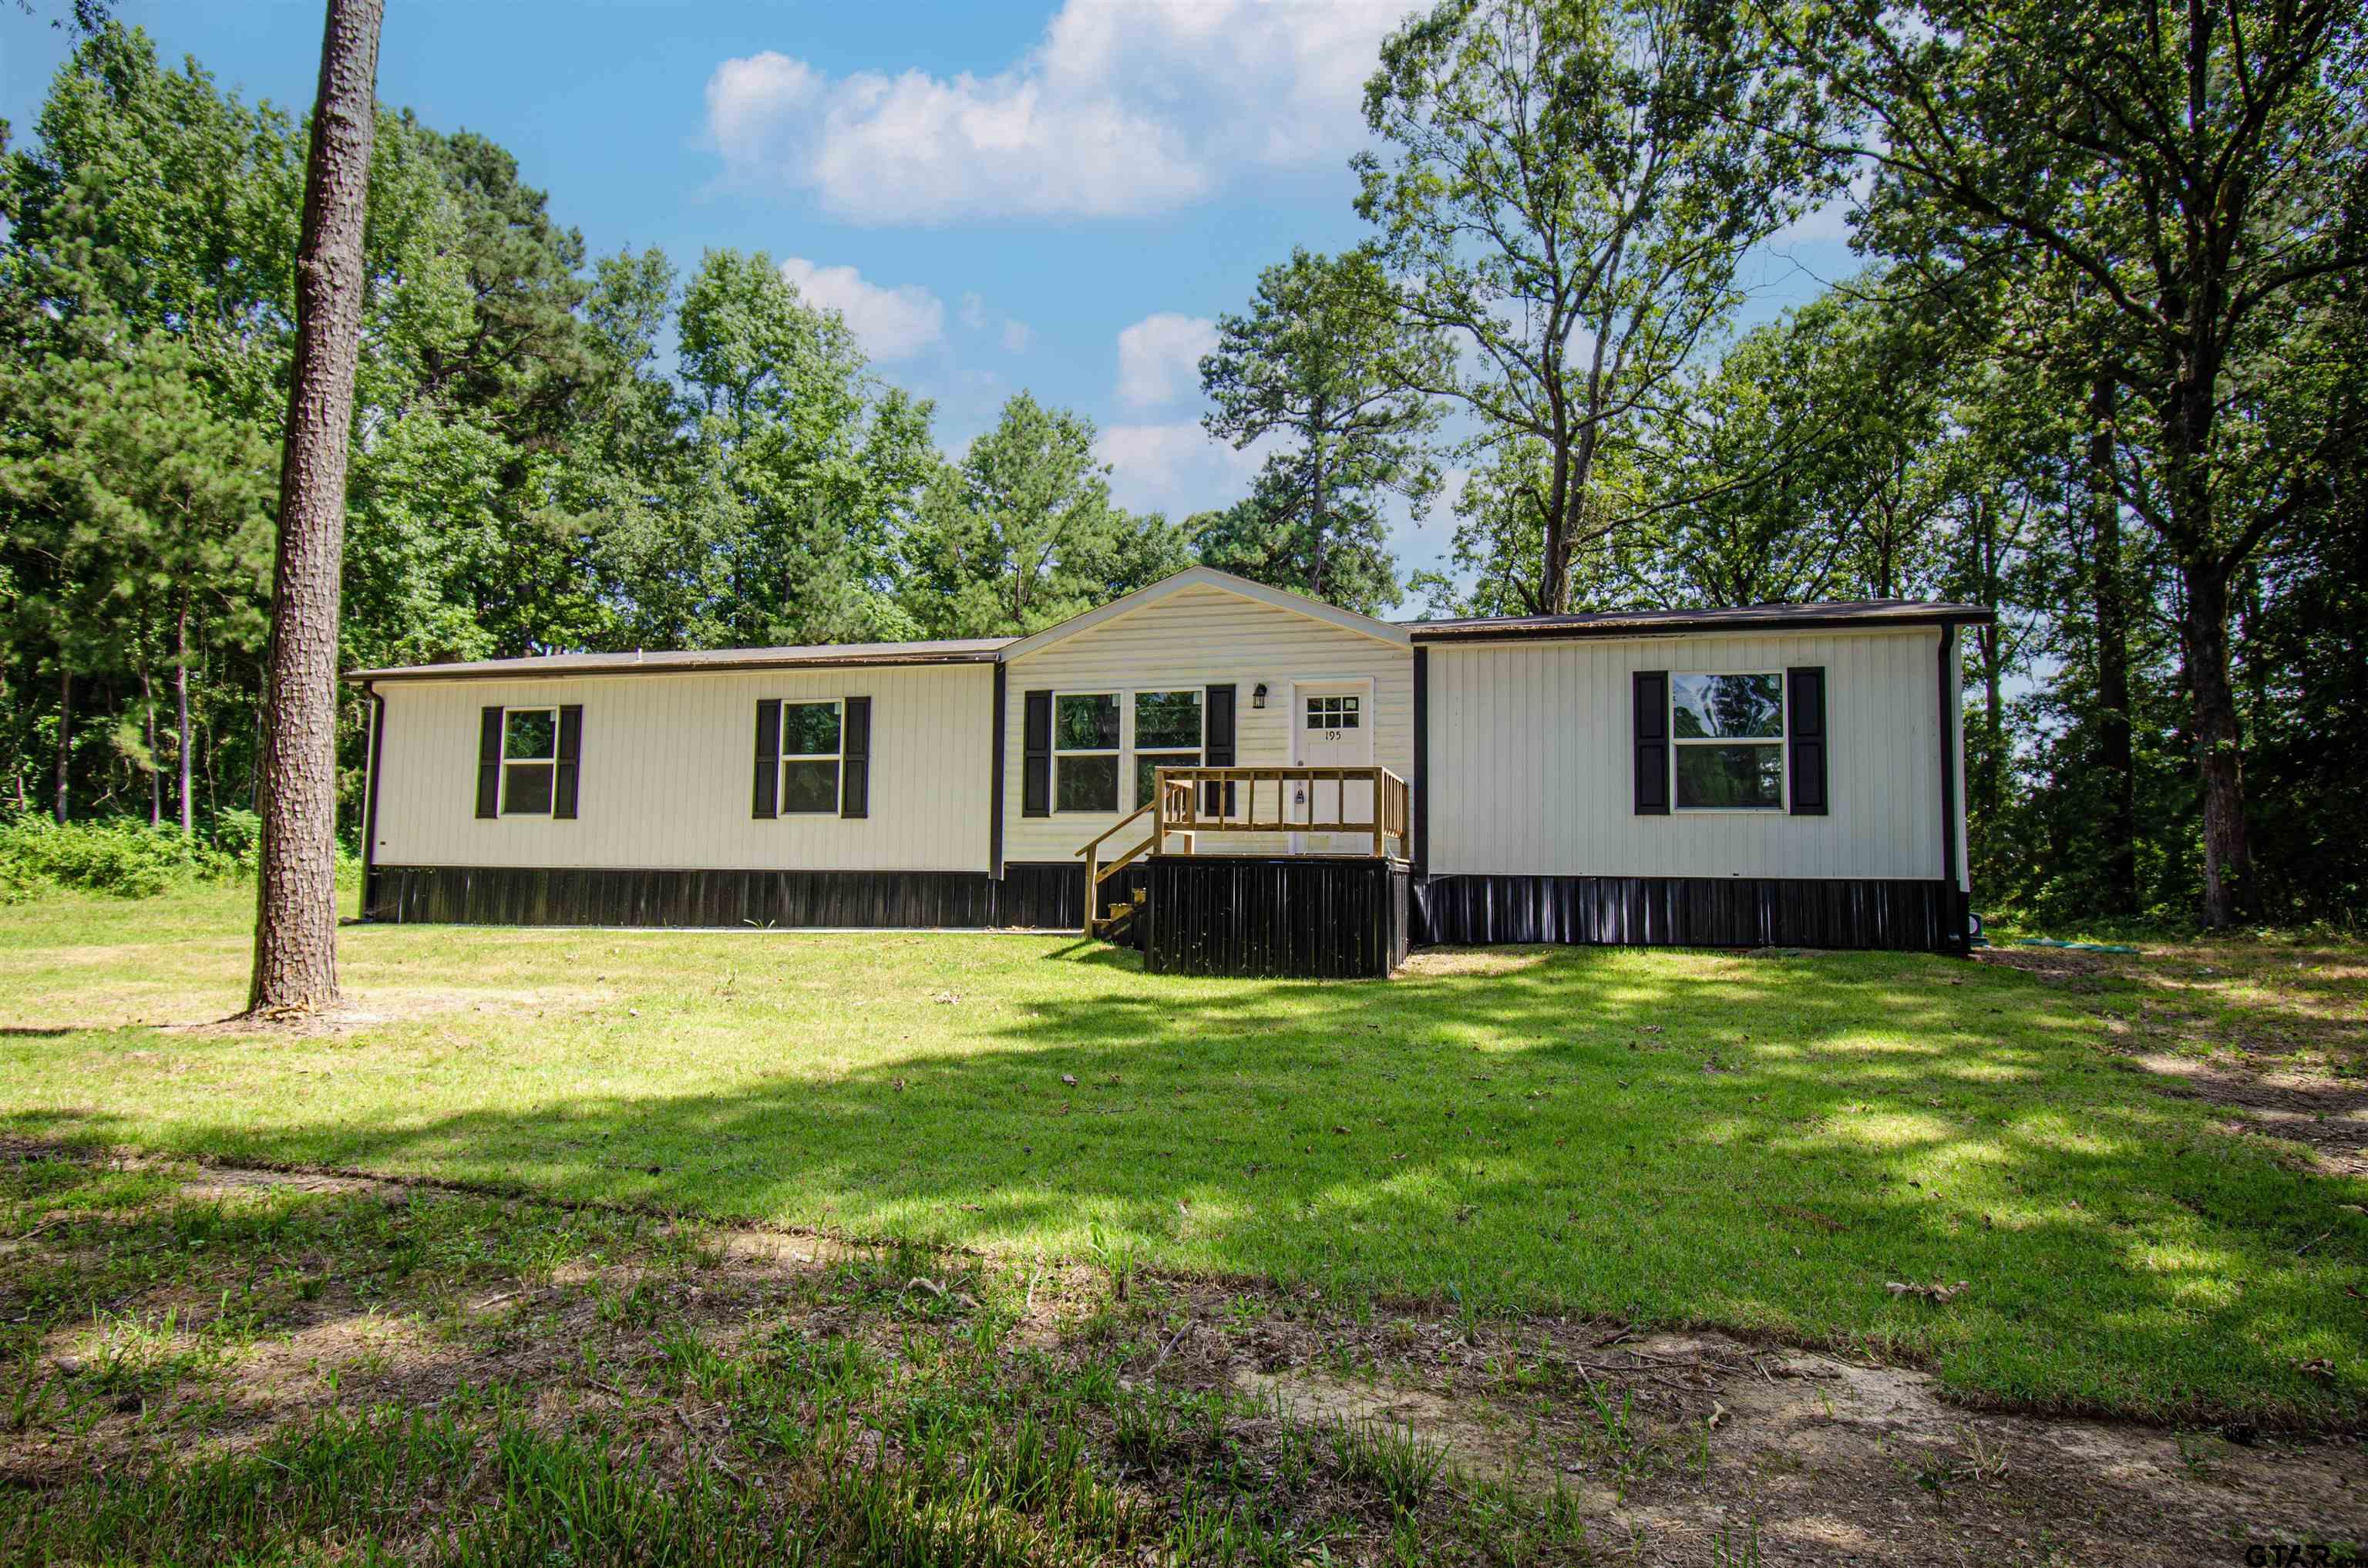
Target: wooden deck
{"type": "Point", "coordinates": [1269, 920]}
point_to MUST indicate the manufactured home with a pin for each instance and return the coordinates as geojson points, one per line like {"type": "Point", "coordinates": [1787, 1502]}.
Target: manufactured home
{"type": "Point", "coordinates": [1236, 779]}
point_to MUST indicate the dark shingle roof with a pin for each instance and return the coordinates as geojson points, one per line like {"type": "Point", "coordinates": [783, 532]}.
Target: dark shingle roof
{"type": "Point", "coordinates": [1837, 615]}
{"type": "Point", "coordinates": [958, 651]}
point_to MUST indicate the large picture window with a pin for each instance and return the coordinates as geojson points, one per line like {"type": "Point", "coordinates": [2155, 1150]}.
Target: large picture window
{"type": "Point", "coordinates": [811, 758]}
{"type": "Point", "coordinates": [1168, 733]}
{"type": "Point", "coordinates": [529, 760]}
{"type": "Point", "coordinates": [1729, 735]}
{"type": "Point", "coordinates": [1084, 751]}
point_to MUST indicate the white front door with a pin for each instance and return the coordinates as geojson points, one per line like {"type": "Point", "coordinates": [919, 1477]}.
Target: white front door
{"type": "Point", "coordinates": [1333, 727]}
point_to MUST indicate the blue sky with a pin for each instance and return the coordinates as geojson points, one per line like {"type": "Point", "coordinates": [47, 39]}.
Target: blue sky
{"type": "Point", "coordinates": [1057, 196]}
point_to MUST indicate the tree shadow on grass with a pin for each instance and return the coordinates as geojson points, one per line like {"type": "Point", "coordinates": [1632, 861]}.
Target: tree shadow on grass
{"type": "Point", "coordinates": [1758, 1145]}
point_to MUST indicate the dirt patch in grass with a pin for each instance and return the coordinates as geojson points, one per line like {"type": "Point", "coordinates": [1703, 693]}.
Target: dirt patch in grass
{"type": "Point", "coordinates": [370, 1006]}
{"type": "Point", "coordinates": [2327, 1115]}
{"type": "Point", "coordinates": [1212, 1416]}
{"type": "Point", "coordinates": [2274, 1032]}
{"type": "Point", "coordinates": [1474, 960]}
{"type": "Point", "coordinates": [1707, 1448]}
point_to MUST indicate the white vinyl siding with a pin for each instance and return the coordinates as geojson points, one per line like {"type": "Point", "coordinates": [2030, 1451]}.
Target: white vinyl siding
{"type": "Point", "coordinates": [1532, 761]}
{"type": "Point", "coordinates": [669, 768]}
{"type": "Point", "coordinates": [1195, 638]}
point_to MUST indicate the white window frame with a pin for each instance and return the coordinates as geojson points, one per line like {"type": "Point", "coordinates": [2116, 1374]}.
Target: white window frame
{"type": "Point", "coordinates": [1781, 741]}
{"type": "Point", "coordinates": [551, 762]}
{"type": "Point", "coordinates": [781, 764]}
{"type": "Point", "coordinates": [1124, 699]}
{"type": "Point", "coordinates": [1131, 765]}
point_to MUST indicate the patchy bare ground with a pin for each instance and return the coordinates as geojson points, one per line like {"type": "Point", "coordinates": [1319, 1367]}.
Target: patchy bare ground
{"type": "Point", "coordinates": [1664, 1447]}
{"type": "Point", "coordinates": [2274, 1032]}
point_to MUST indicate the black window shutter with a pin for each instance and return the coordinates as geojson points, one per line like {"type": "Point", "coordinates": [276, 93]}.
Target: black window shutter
{"type": "Point", "coordinates": [1805, 697]}
{"type": "Point", "coordinates": [1217, 746]}
{"type": "Point", "coordinates": [768, 759]}
{"type": "Point", "coordinates": [1652, 735]}
{"type": "Point", "coordinates": [489, 763]}
{"type": "Point", "coordinates": [855, 765]}
{"type": "Point", "coordinates": [1036, 741]}
{"type": "Point", "coordinates": [571, 752]}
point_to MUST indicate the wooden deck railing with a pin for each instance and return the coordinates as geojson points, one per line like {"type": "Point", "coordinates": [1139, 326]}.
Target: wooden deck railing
{"type": "Point", "coordinates": [1370, 802]}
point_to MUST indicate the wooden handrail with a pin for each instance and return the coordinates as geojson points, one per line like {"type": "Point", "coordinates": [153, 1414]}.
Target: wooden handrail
{"type": "Point", "coordinates": [1177, 794]}
{"type": "Point", "coordinates": [1180, 791]}
{"type": "Point", "coordinates": [1097, 842]}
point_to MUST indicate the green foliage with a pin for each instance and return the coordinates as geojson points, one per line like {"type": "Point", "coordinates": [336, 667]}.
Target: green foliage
{"type": "Point", "coordinates": [1271, 535]}
{"type": "Point", "coordinates": [2176, 200]}
{"type": "Point", "coordinates": [1325, 359]}
{"type": "Point", "coordinates": [121, 856]}
{"type": "Point", "coordinates": [807, 464]}
{"type": "Point", "coordinates": [1021, 533]}
{"type": "Point", "coordinates": [1568, 188]}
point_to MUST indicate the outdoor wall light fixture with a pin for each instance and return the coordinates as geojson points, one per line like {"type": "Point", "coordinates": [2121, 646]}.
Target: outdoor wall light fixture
{"type": "Point", "coordinates": [1257, 698]}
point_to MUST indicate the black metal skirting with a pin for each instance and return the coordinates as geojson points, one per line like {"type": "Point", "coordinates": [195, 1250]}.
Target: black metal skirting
{"type": "Point", "coordinates": [1049, 896]}
{"type": "Point", "coordinates": [1691, 912]}
{"type": "Point", "coordinates": [1309, 918]}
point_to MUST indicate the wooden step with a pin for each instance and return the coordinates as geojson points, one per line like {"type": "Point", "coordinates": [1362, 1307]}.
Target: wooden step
{"type": "Point", "coordinates": [1117, 916]}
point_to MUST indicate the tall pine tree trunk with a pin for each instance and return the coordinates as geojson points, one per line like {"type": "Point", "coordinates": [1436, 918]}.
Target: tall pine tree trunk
{"type": "Point", "coordinates": [181, 718]}
{"type": "Point", "coordinates": [296, 899]}
{"type": "Point", "coordinates": [1316, 461]}
{"type": "Point", "coordinates": [2117, 754]}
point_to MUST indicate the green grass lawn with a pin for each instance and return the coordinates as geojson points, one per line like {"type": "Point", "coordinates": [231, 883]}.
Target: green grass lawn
{"type": "Point", "coordinates": [1756, 1144]}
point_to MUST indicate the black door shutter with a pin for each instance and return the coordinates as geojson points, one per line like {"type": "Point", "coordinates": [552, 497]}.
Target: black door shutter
{"type": "Point", "coordinates": [1217, 749]}
{"type": "Point", "coordinates": [855, 767]}
{"type": "Point", "coordinates": [571, 751]}
{"type": "Point", "coordinates": [489, 763]}
{"type": "Point", "coordinates": [1804, 695]}
{"type": "Point", "coordinates": [768, 759]}
{"type": "Point", "coordinates": [1036, 741]}
{"type": "Point", "coordinates": [1652, 736]}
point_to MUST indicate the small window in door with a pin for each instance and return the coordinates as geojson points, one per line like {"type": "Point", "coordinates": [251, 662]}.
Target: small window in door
{"type": "Point", "coordinates": [1335, 713]}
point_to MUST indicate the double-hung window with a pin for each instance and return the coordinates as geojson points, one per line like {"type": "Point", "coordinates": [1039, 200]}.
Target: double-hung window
{"type": "Point", "coordinates": [811, 758]}
{"type": "Point", "coordinates": [529, 760]}
{"type": "Point", "coordinates": [1168, 733]}
{"type": "Point", "coordinates": [1729, 732]}
{"type": "Point", "coordinates": [1084, 751]}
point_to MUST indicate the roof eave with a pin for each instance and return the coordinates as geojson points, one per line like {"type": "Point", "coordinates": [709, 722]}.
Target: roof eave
{"type": "Point", "coordinates": [684, 666]}
{"type": "Point", "coordinates": [1511, 632]}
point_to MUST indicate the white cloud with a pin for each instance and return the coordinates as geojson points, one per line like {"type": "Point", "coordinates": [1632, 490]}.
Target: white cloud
{"type": "Point", "coordinates": [1120, 108]}
{"type": "Point", "coordinates": [890, 323]}
{"type": "Point", "coordinates": [1015, 335]}
{"type": "Point", "coordinates": [1159, 358]}
{"type": "Point", "coordinates": [1176, 469]}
